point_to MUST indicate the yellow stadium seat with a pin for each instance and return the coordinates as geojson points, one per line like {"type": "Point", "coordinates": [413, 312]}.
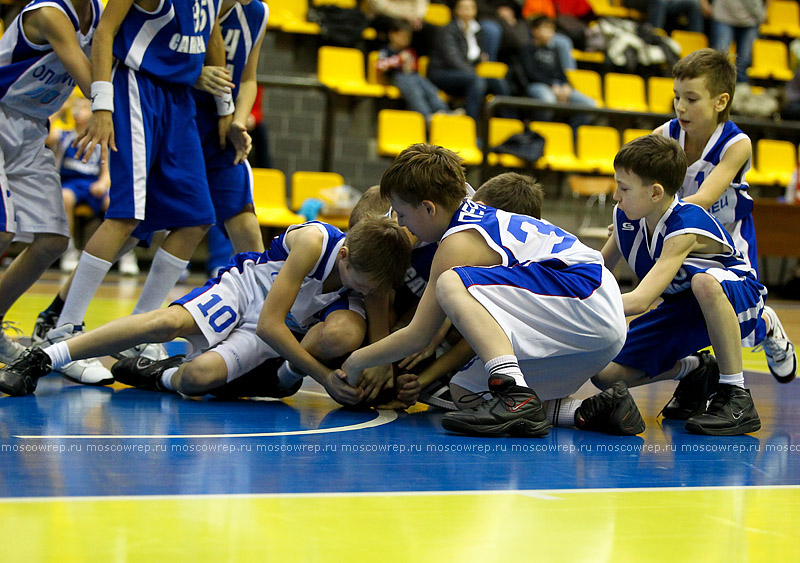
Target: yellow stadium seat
{"type": "Point", "coordinates": [374, 77]}
{"type": "Point", "coordinates": [342, 69]}
{"type": "Point", "coordinates": [559, 150]}
{"type": "Point", "coordinates": [689, 41]}
{"type": "Point", "coordinates": [269, 199]}
{"type": "Point", "coordinates": [457, 133]}
{"type": "Point", "coordinates": [501, 129]}
{"type": "Point", "coordinates": [307, 185]}
{"type": "Point", "coordinates": [596, 190]}
{"type": "Point", "coordinates": [346, 4]}
{"type": "Point", "coordinates": [587, 82]}
{"type": "Point", "coordinates": [291, 16]}
{"type": "Point", "coordinates": [776, 161]}
{"type": "Point", "coordinates": [770, 60]}
{"type": "Point", "coordinates": [437, 14]}
{"type": "Point", "coordinates": [597, 147]}
{"type": "Point", "coordinates": [594, 57]}
{"type": "Point", "coordinates": [783, 18]}
{"type": "Point", "coordinates": [491, 69]}
{"type": "Point", "coordinates": [397, 129]}
{"type": "Point", "coordinates": [625, 92]}
{"type": "Point", "coordinates": [608, 9]}
{"type": "Point", "coordinates": [660, 95]}
{"type": "Point", "coordinates": [630, 134]}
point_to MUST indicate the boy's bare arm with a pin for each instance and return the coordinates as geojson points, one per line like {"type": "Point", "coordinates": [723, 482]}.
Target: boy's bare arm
{"type": "Point", "coordinates": [248, 89]}
{"type": "Point", "coordinates": [723, 174]}
{"type": "Point", "coordinates": [611, 253]}
{"type": "Point", "coordinates": [673, 254]}
{"type": "Point", "coordinates": [50, 25]}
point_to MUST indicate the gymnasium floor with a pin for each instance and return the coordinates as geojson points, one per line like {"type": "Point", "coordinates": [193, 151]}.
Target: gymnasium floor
{"type": "Point", "coordinates": [116, 473]}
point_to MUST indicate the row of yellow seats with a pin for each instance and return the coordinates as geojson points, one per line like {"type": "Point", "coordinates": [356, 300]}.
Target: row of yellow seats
{"type": "Point", "coordinates": [270, 196]}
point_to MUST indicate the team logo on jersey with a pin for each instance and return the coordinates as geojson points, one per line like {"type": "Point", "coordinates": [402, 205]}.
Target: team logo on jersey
{"type": "Point", "coordinates": [628, 227]}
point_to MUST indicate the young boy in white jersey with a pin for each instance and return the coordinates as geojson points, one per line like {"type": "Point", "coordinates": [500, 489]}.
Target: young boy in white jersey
{"type": "Point", "coordinates": [515, 287]}
{"type": "Point", "coordinates": [240, 319]}
{"type": "Point", "coordinates": [43, 55]}
{"type": "Point", "coordinates": [719, 156]}
{"type": "Point", "coordinates": [710, 293]}
{"type": "Point", "coordinates": [146, 56]}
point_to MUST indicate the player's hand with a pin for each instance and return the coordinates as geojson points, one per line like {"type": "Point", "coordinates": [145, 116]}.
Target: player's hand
{"type": "Point", "coordinates": [224, 126]}
{"type": "Point", "coordinates": [215, 80]}
{"type": "Point", "coordinates": [410, 361]}
{"type": "Point", "coordinates": [408, 388]}
{"type": "Point", "coordinates": [336, 386]}
{"type": "Point", "coordinates": [352, 368]}
{"type": "Point", "coordinates": [99, 188]}
{"type": "Point", "coordinates": [99, 131]}
{"type": "Point", "coordinates": [373, 380]}
{"type": "Point", "coordinates": [241, 141]}
{"type": "Point", "coordinates": [611, 229]}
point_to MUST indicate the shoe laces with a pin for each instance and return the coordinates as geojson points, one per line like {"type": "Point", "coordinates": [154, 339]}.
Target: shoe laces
{"type": "Point", "coordinates": [505, 397]}
{"type": "Point", "coordinates": [718, 400]}
{"type": "Point", "coordinates": [773, 348]}
{"type": "Point", "coordinates": [12, 327]}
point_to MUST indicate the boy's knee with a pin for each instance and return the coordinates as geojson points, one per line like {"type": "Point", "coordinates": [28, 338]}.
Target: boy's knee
{"type": "Point", "coordinates": [448, 284]}
{"type": "Point", "coordinates": [341, 335]}
{"type": "Point", "coordinates": [705, 287]}
{"type": "Point", "coordinates": [202, 375]}
{"type": "Point", "coordinates": [49, 244]}
{"type": "Point", "coordinates": [163, 325]}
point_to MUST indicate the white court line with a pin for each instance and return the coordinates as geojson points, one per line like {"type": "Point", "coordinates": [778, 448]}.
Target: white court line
{"type": "Point", "coordinates": [384, 417]}
{"type": "Point", "coordinates": [544, 494]}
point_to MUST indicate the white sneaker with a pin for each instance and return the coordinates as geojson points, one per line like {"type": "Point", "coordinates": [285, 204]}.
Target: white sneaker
{"type": "Point", "coordinates": [89, 371]}
{"type": "Point", "coordinates": [154, 352]}
{"type": "Point", "coordinates": [779, 350]}
{"type": "Point", "coordinates": [69, 260]}
{"type": "Point", "coordinates": [128, 264]}
{"type": "Point", "coordinates": [10, 350]}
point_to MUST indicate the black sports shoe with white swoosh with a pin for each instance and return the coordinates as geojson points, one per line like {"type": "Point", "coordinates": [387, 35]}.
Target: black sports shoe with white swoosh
{"type": "Point", "coordinates": [513, 410]}
{"type": "Point", "coordinates": [144, 373]}
{"type": "Point", "coordinates": [731, 413]}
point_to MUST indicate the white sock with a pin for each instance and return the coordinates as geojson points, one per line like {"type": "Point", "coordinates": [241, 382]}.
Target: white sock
{"type": "Point", "coordinates": [561, 412]}
{"type": "Point", "coordinates": [687, 364]}
{"type": "Point", "coordinates": [59, 354]}
{"type": "Point", "coordinates": [736, 379]}
{"type": "Point", "coordinates": [164, 273]}
{"type": "Point", "coordinates": [166, 378]}
{"type": "Point", "coordinates": [287, 376]}
{"type": "Point", "coordinates": [88, 276]}
{"type": "Point", "coordinates": [506, 365]}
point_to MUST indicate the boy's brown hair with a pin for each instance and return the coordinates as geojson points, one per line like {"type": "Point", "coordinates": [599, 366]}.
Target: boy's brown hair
{"type": "Point", "coordinates": [512, 192]}
{"type": "Point", "coordinates": [379, 249]}
{"type": "Point", "coordinates": [654, 159]}
{"type": "Point", "coordinates": [426, 172]}
{"type": "Point", "coordinates": [370, 202]}
{"type": "Point", "coordinates": [717, 69]}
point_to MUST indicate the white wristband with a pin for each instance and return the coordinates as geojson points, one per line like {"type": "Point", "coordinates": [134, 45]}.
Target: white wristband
{"type": "Point", "coordinates": [224, 104]}
{"type": "Point", "coordinates": [102, 96]}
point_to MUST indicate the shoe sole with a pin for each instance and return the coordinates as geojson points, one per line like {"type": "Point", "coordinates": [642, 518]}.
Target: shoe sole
{"type": "Point", "coordinates": [786, 378]}
{"type": "Point", "coordinates": [12, 392]}
{"type": "Point", "coordinates": [747, 428]}
{"type": "Point", "coordinates": [524, 428]}
{"type": "Point", "coordinates": [101, 383]}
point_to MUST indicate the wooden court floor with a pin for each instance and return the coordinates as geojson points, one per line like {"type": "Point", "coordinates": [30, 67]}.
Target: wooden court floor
{"type": "Point", "coordinates": [118, 474]}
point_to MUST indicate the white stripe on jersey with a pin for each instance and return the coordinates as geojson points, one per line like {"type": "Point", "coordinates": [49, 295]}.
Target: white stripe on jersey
{"type": "Point", "coordinates": [138, 147]}
{"type": "Point", "coordinates": [144, 37]}
{"type": "Point", "coordinates": [246, 37]}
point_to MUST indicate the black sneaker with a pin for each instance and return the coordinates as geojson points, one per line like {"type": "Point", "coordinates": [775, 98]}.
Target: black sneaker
{"type": "Point", "coordinates": [730, 413]}
{"type": "Point", "coordinates": [612, 411]}
{"type": "Point", "coordinates": [20, 378]}
{"type": "Point", "coordinates": [144, 373]}
{"type": "Point", "coordinates": [694, 390]}
{"type": "Point", "coordinates": [512, 410]}
{"type": "Point", "coordinates": [44, 322]}
{"type": "Point", "coordinates": [437, 394]}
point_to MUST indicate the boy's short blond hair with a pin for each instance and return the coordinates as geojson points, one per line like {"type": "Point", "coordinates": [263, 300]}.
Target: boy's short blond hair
{"type": "Point", "coordinates": [370, 202]}
{"type": "Point", "coordinates": [654, 159]}
{"type": "Point", "coordinates": [379, 249]}
{"type": "Point", "coordinates": [512, 192]}
{"type": "Point", "coordinates": [717, 69]}
{"type": "Point", "coordinates": [426, 172]}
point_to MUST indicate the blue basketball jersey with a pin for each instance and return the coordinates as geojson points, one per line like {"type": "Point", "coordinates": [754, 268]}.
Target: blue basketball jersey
{"type": "Point", "coordinates": [33, 80]}
{"type": "Point", "coordinates": [170, 43]}
{"type": "Point", "coordinates": [519, 238]}
{"type": "Point", "coordinates": [641, 252]}
{"type": "Point", "coordinates": [241, 27]}
{"type": "Point", "coordinates": [72, 169]}
{"type": "Point", "coordinates": [735, 203]}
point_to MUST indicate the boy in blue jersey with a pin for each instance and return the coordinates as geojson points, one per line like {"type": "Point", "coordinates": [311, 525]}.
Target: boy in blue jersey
{"type": "Point", "coordinates": [241, 318]}
{"type": "Point", "coordinates": [516, 288]}
{"type": "Point", "coordinates": [43, 55]}
{"type": "Point", "coordinates": [710, 293]}
{"type": "Point", "coordinates": [719, 155]}
{"type": "Point", "coordinates": [146, 56]}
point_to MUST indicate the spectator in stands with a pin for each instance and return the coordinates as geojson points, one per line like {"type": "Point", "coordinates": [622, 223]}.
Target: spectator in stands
{"type": "Point", "coordinates": [383, 12]}
{"type": "Point", "coordinates": [737, 20]}
{"type": "Point", "coordinates": [542, 70]}
{"type": "Point", "coordinates": [791, 108]}
{"type": "Point", "coordinates": [452, 63]}
{"type": "Point", "coordinates": [659, 10]}
{"type": "Point", "coordinates": [398, 62]}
